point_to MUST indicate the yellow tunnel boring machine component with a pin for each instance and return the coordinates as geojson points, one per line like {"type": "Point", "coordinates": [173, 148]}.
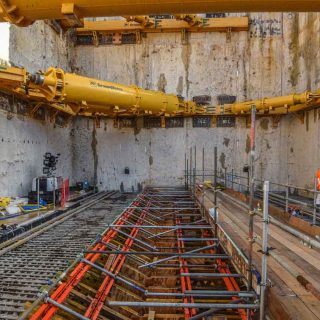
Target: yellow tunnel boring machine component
{"type": "Point", "coordinates": [12, 78]}
{"type": "Point", "coordinates": [192, 19]}
{"type": "Point", "coordinates": [98, 95]}
{"type": "Point", "coordinates": [23, 13]}
{"type": "Point", "coordinates": [268, 104]}
{"type": "Point", "coordinates": [143, 20]}
{"type": "Point", "coordinates": [74, 94]}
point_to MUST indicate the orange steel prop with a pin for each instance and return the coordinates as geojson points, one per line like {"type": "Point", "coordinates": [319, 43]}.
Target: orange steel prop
{"type": "Point", "coordinates": [97, 303]}
{"type": "Point", "coordinates": [185, 280]}
{"type": "Point", "coordinates": [230, 282]}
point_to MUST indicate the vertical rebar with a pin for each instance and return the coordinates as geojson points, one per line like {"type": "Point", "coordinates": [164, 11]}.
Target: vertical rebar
{"type": "Point", "coordinates": [185, 171]}
{"type": "Point", "coordinates": [225, 178]}
{"type": "Point", "coordinates": [187, 185]}
{"type": "Point", "coordinates": [265, 221]}
{"type": "Point", "coordinates": [190, 176]}
{"type": "Point", "coordinates": [194, 181]}
{"type": "Point", "coordinates": [202, 165]}
{"type": "Point", "coordinates": [203, 177]}
{"type": "Point", "coordinates": [287, 198]}
{"type": "Point", "coordinates": [38, 195]}
{"type": "Point", "coordinates": [251, 196]}
{"type": "Point", "coordinates": [314, 217]}
{"type": "Point", "coordinates": [232, 173]}
{"type": "Point", "coordinates": [215, 189]}
{"type": "Point", "coordinates": [54, 192]}
{"type": "Point", "coordinates": [195, 169]}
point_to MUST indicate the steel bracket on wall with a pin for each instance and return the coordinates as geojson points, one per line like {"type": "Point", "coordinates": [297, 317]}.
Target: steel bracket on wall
{"type": "Point", "coordinates": [184, 36]}
{"type": "Point", "coordinates": [122, 29]}
{"type": "Point", "coordinates": [276, 121]}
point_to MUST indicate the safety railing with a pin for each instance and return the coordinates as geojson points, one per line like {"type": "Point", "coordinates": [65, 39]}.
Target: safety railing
{"type": "Point", "coordinates": [296, 201]}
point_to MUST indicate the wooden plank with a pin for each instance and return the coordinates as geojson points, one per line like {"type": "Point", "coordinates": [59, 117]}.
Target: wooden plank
{"type": "Point", "coordinates": [151, 315]}
{"type": "Point", "coordinates": [292, 299]}
{"type": "Point", "coordinates": [288, 299]}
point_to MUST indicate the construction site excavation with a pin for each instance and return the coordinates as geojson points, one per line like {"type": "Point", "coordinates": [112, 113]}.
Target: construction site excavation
{"type": "Point", "coordinates": [160, 160]}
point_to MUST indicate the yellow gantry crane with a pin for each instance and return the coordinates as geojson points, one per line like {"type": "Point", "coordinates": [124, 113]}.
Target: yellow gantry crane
{"type": "Point", "coordinates": [74, 94]}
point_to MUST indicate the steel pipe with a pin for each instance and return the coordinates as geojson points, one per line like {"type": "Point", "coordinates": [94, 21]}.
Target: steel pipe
{"type": "Point", "coordinates": [243, 294]}
{"type": "Point", "coordinates": [137, 240]}
{"type": "Point", "coordinates": [162, 227]}
{"type": "Point", "coordinates": [212, 275]}
{"type": "Point", "coordinates": [114, 276]}
{"type": "Point", "coordinates": [142, 304]}
{"type": "Point", "coordinates": [190, 294]}
{"type": "Point", "coordinates": [66, 309]}
{"type": "Point", "coordinates": [312, 242]}
{"type": "Point", "coordinates": [265, 221]}
{"type": "Point", "coordinates": [152, 253]}
{"type": "Point", "coordinates": [185, 255]}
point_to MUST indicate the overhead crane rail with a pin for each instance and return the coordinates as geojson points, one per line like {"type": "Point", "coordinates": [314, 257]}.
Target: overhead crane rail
{"type": "Point", "coordinates": [24, 13]}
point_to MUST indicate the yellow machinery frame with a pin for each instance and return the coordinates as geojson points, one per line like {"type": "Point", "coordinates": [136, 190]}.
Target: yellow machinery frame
{"type": "Point", "coordinates": [150, 25]}
{"type": "Point", "coordinates": [23, 13]}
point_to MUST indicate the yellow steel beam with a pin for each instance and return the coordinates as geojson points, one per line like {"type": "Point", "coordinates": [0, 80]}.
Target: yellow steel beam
{"type": "Point", "coordinates": [12, 78]}
{"type": "Point", "coordinates": [22, 12]}
{"type": "Point", "coordinates": [166, 25]}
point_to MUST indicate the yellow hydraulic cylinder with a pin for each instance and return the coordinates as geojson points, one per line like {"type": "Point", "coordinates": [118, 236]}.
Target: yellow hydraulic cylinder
{"type": "Point", "coordinates": [58, 86]}
{"type": "Point", "coordinates": [22, 12]}
{"type": "Point", "coordinates": [75, 94]}
{"type": "Point", "coordinates": [266, 104]}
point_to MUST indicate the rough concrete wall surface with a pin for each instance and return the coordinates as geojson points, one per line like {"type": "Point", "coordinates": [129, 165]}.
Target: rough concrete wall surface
{"type": "Point", "coordinates": [156, 156]}
{"type": "Point", "coordinates": [38, 47]}
{"type": "Point", "coordinates": [274, 58]}
{"type": "Point", "coordinates": [23, 144]}
{"type": "Point", "coordinates": [23, 140]}
{"type": "Point", "coordinates": [82, 153]}
{"type": "Point", "coordinates": [303, 149]}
